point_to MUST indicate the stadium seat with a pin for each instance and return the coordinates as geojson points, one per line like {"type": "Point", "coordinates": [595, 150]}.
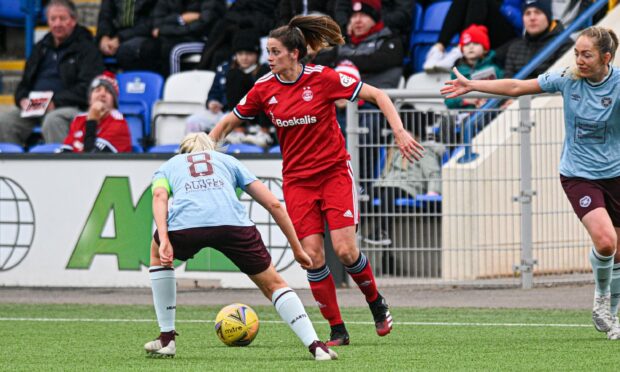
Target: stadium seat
{"type": "Point", "coordinates": [275, 150]}
{"type": "Point", "coordinates": [10, 148]}
{"type": "Point", "coordinates": [46, 148]}
{"type": "Point", "coordinates": [428, 33]}
{"type": "Point", "coordinates": [135, 148]}
{"type": "Point", "coordinates": [185, 93]}
{"type": "Point", "coordinates": [164, 149]}
{"type": "Point", "coordinates": [425, 82]}
{"type": "Point", "coordinates": [511, 9]}
{"type": "Point", "coordinates": [418, 11]}
{"type": "Point", "coordinates": [244, 148]}
{"type": "Point", "coordinates": [139, 90]}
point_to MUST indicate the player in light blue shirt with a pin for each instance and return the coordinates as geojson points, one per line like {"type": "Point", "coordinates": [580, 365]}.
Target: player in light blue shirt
{"type": "Point", "coordinates": [206, 212]}
{"type": "Point", "coordinates": [590, 162]}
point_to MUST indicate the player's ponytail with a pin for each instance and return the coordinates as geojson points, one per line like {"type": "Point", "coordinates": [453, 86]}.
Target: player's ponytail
{"type": "Point", "coordinates": [313, 30]}
{"type": "Point", "coordinates": [604, 39]}
{"type": "Point", "coordinates": [197, 142]}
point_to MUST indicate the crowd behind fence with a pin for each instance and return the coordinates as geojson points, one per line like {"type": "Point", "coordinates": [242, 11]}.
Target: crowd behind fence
{"type": "Point", "coordinates": [500, 218]}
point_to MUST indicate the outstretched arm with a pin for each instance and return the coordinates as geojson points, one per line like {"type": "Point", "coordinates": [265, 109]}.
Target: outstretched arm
{"type": "Point", "coordinates": [506, 87]}
{"type": "Point", "coordinates": [229, 122]}
{"type": "Point", "coordinates": [160, 214]}
{"type": "Point", "coordinates": [409, 147]}
{"type": "Point", "coordinates": [259, 192]}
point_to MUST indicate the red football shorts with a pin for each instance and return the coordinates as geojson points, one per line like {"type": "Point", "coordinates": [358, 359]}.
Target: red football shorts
{"type": "Point", "coordinates": [332, 198]}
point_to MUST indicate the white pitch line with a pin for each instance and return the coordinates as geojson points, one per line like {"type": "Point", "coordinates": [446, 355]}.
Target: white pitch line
{"type": "Point", "coordinates": [440, 324]}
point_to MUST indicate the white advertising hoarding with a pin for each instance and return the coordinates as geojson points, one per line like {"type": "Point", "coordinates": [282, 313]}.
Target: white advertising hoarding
{"type": "Point", "coordinates": [88, 223]}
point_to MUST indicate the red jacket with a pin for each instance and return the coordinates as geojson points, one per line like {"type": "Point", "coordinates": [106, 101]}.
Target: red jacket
{"type": "Point", "coordinates": [112, 134]}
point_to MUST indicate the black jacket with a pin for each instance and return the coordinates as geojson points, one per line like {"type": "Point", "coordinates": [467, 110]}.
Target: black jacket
{"type": "Point", "coordinates": [259, 15]}
{"type": "Point", "coordinates": [117, 19]}
{"type": "Point", "coordinates": [80, 63]}
{"type": "Point", "coordinates": [522, 50]}
{"type": "Point", "coordinates": [379, 58]}
{"type": "Point", "coordinates": [290, 8]}
{"type": "Point", "coordinates": [396, 14]}
{"type": "Point", "coordinates": [167, 12]}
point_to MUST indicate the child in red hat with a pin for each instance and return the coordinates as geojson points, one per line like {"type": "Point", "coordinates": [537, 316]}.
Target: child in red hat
{"type": "Point", "coordinates": [477, 63]}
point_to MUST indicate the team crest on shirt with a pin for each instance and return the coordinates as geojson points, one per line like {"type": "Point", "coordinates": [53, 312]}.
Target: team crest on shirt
{"type": "Point", "coordinates": [307, 95]}
{"type": "Point", "coordinates": [606, 101]}
{"type": "Point", "coordinates": [346, 80]}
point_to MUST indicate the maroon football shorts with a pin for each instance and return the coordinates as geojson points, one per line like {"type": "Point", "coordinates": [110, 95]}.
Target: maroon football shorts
{"type": "Point", "coordinates": [587, 195]}
{"type": "Point", "coordinates": [241, 244]}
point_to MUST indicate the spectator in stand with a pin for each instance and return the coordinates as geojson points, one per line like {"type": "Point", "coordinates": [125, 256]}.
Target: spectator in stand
{"type": "Point", "coordinates": [462, 14]}
{"type": "Point", "coordinates": [540, 29]}
{"type": "Point", "coordinates": [290, 8]}
{"type": "Point", "coordinates": [477, 63]}
{"type": "Point", "coordinates": [124, 31]}
{"type": "Point", "coordinates": [397, 15]}
{"type": "Point", "coordinates": [182, 21]}
{"type": "Point", "coordinates": [258, 16]}
{"type": "Point", "coordinates": [372, 47]}
{"type": "Point", "coordinates": [102, 128]}
{"type": "Point", "coordinates": [232, 81]}
{"type": "Point", "coordinates": [65, 61]}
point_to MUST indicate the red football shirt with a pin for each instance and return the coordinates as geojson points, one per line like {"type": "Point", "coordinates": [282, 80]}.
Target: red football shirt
{"type": "Point", "coordinates": [304, 114]}
{"type": "Point", "coordinates": [112, 132]}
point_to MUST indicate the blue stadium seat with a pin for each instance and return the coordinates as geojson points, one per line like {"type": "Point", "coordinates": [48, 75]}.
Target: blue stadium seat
{"type": "Point", "coordinates": [511, 9]}
{"type": "Point", "coordinates": [46, 148]}
{"type": "Point", "coordinates": [275, 150]}
{"type": "Point", "coordinates": [164, 149]}
{"type": "Point", "coordinates": [428, 33]}
{"type": "Point", "coordinates": [138, 92]}
{"type": "Point", "coordinates": [10, 147]}
{"type": "Point", "coordinates": [135, 148]}
{"type": "Point", "coordinates": [244, 148]}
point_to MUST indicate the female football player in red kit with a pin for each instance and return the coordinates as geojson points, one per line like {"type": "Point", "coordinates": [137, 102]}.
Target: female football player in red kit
{"type": "Point", "coordinates": [318, 179]}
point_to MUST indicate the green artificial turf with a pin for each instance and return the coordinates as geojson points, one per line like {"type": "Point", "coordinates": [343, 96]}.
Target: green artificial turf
{"type": "Point", "coordinates": [110, 338]}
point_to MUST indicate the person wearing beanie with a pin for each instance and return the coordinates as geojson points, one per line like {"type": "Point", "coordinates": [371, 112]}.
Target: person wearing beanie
{"type": "Point", "coordinates": [540, 29]}
{"type": "Point", "coordinates": [102, 128]}
{"type": "Point", "coordinates": [477, 63]}
{"type": "Point", "coordinates": [498, 18]}
{"type": "Point", "coordinates": [396, 14]}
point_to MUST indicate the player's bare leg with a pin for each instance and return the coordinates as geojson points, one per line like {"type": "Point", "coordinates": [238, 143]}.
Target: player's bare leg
{"type": "Point", "coordinates": [614, 332]}
{"type": "Point", "coordinates": [358, 267]}
{"type": "Point", "coordinates": [292, 311]}
{"type": "Point", "coordinates": [163, 284]}
{"type": "Point", "coordinates": [323, 289]}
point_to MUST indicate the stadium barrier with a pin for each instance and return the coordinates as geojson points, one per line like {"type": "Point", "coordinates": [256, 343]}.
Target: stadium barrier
{"type": "Point", "coordinates": [502, 217]}
{"type": "Point", "coordinates": [86, 221]}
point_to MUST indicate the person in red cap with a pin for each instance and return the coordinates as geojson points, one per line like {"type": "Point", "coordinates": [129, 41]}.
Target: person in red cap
{"type": "Point", "coordinates": [103, 128]}
{"type": "Point", "coordinates": [478, 62]}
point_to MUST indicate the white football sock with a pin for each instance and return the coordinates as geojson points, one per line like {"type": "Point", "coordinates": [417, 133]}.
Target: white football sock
{"type": "Point", "coordinates": [602, 267]}
{"type": "Point", "coordinates": [292, 311]}
{"type": "Point", "coordinates": [615, 289]}
{"type": "Point", "coordinates": [164, 286]}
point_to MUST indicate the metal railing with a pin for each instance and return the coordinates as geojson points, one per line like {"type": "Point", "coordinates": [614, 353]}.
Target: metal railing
{"type": "Point", "coordinates": [501, 219]}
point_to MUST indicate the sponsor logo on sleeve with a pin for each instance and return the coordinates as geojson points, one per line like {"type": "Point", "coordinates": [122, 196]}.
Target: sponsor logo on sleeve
{"type": "Point", "coordinates": [346, 80]}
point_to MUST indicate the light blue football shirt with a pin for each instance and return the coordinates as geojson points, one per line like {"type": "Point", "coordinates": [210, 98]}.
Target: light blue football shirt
{"type": "Point", "coordinates": [203, 188]}
{"type": "Point", "coordinates": [592, 121]}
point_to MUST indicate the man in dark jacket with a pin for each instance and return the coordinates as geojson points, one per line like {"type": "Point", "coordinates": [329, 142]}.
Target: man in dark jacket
{"type": "Point", "coordinates": [372, 48]}
{"type": "Point", "coordinates": [540, 29]}
{"type": "Point", "coordinates": [124, 31]}
{"type": "Point", "coordinates": [64, 62]}
{"type": "Point", "coordinates": [397, 15]}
